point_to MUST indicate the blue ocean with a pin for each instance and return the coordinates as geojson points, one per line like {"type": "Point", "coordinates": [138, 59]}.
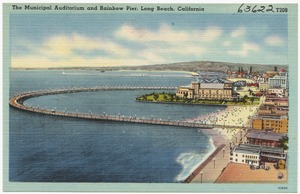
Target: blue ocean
{"type": "Point", "coordinates": [45, 148]}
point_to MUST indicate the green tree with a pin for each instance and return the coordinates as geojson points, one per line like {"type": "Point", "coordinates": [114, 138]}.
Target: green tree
{"type": "Point", "coordinates": [171, 97]}
{"type": "Point", "coordinates": [252, 99]}
{"type": "Point", "coordinates": [244, 99]}
{"type": "Point", "coordinates": [155, 97]}
{"type": "Point", "coordinates": [165, 97]}
{"type": "Point", "coordinates": [283, 141]}
{"type": "Point", "coordinates": [250, 92]}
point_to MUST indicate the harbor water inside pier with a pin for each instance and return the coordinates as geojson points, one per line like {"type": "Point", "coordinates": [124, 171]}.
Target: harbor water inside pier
{"type": "Point", "coordinates": [45, 148]}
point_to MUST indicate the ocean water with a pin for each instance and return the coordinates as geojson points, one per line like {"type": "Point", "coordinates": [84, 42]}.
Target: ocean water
{"type": "Point", "coordinates": [44, 148]}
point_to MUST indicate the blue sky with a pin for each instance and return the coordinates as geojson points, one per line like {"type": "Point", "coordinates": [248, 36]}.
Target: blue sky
{"type": "Point", "coordinates": [62, 40]}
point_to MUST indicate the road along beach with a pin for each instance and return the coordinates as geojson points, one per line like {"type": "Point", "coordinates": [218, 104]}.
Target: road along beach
{"type": "Point", "coordinates": [223, 139]}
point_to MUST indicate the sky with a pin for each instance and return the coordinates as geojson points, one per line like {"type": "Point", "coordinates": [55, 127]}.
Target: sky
{"type": "Point", "coordinates": [97, 40]}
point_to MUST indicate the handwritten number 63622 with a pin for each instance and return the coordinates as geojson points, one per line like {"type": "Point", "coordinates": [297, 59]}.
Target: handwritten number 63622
{"type": "Point", "coordinates": [255, 8]}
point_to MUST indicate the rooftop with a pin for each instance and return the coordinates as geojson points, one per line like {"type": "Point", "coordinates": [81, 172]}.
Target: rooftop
{"type": "Point", "coordinates": [256, 149]}
{"type": "Point", "coordinates": [265, 135]}
{"type": "Point", "coordinates": [212, 86]}
{"type": "Point", "coordinates": [214, 80]}
{"type": "Point", "coordinates": [273, 117]}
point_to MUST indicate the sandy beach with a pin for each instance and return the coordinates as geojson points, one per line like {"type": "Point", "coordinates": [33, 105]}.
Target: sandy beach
{"type": "Point", "coordinates": [232, 115]}
{"type": "Point", "coordinates": [223, 138]}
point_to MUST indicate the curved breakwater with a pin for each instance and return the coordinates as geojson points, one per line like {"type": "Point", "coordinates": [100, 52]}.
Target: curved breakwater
{"type": "Point", "coordinates": [18, 102]}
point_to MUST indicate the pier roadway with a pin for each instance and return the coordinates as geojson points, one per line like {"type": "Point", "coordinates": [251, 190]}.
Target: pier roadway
{"type": "Point", "coordinates": [18, 102]}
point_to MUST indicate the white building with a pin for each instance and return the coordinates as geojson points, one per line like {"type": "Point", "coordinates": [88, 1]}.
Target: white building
{"type": "Point", "coordinates": [279, 81]}
{"type": "Point", "coordinates": [243, 154]}
{"type": "Point", "coordinates": [280, 92]}
{"type": "Point", "coordinates": [256, 154]}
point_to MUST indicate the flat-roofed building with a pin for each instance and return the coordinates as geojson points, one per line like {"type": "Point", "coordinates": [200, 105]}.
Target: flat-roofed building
{"type": "Point", "coordinates": [277, 101]}
{"type": "Point", "coordinates": [256, 155]}
{"type": "Point", "coordinates": [264, 87]}
{"type": "Point", "coordinates": [185, 92]}
{"type": "Point", "coordinates": [277, 124]}
{"type": "Point", "coordinates": [278, 92]}
{"type": "Point", "coordinates": [264, 138]}
{"type": "Point", "coordinates": [272, 155]}
{"type": "Point", "coordinates": [245, 155]}
{"type": "Point", "coordinates": [272, 110]}
{"type": "Point", "coordinates": [279, 81]}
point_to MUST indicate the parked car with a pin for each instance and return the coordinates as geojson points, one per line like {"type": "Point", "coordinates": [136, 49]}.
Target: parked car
{"type": "Point", "coordinates": [267, 167]}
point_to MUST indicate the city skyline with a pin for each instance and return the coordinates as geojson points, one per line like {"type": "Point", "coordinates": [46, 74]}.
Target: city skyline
{"type": "Point", "coordinates": [97, 40]}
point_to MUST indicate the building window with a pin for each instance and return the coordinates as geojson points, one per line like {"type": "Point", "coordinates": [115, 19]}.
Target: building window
{"type": "Point", "coordinates": [242, 160]}
{"type": "Point", "coordinates": [236, 160]}
{"type": "Point", "coordinates": [236, 154]}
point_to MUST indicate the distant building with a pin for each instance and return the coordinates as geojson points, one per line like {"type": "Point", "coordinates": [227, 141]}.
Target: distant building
{"type": "Point", "coordinates": [264, 87]}
{"type": "Point", "coordinates": [279, 92]}
{"type": "Point", "coordinates": [269, 74]}
{"type": "Point", "coordinates": [277, 124]}
{"type": "Point", "coordinates": [264, 138]}
{"type": "Point", "coordinates": [207, 89]}
{"type": "Point", "coordinates": [277, 101]}
{"type": "Point", "coordinates": [256, 155]}
{"type": "Point", "coordinates": [185, 91]}
{"type": "Point", "coordinates": [272, 110]}
{"type": "Point", "coordinates": [279, 81]}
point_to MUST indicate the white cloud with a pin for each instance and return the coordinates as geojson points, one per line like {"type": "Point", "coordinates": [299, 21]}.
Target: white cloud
{"type": "Point", "coordinates": [64, 46]}
{"type": "Point", "coordinates": [226, 43]}
{"type": "Point", "coordinates": [163, 45]}
{"type": "Point", "coordinates": [151, 57]}
{"type": "Point", "coordinates": [62, 50]}
{"type": "Point", "coordinates": [186, 49]}
{"type": "Point", "coordinates": [209, 34]}
{"type": "Point", "coordinates": [164, 34]}
{"type": "Point", "coordinates": [274, 40]}
{"type": "Point", "coordinates": [245, 50]}
{"type": "Point", "coordinates": [240, 31]}
{"type": "Point", "coordinates": [167, 34]}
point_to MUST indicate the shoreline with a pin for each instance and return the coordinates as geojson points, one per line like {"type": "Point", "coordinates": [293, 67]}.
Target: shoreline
{"type": "Point", "coordinates": [219, 142]}
{"type": "Point", "coordinates": [203, 164]}
{"type": "Point", "coordinates": [221, 138]}
{"type": "Point", "coordinates": [184, 103]}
